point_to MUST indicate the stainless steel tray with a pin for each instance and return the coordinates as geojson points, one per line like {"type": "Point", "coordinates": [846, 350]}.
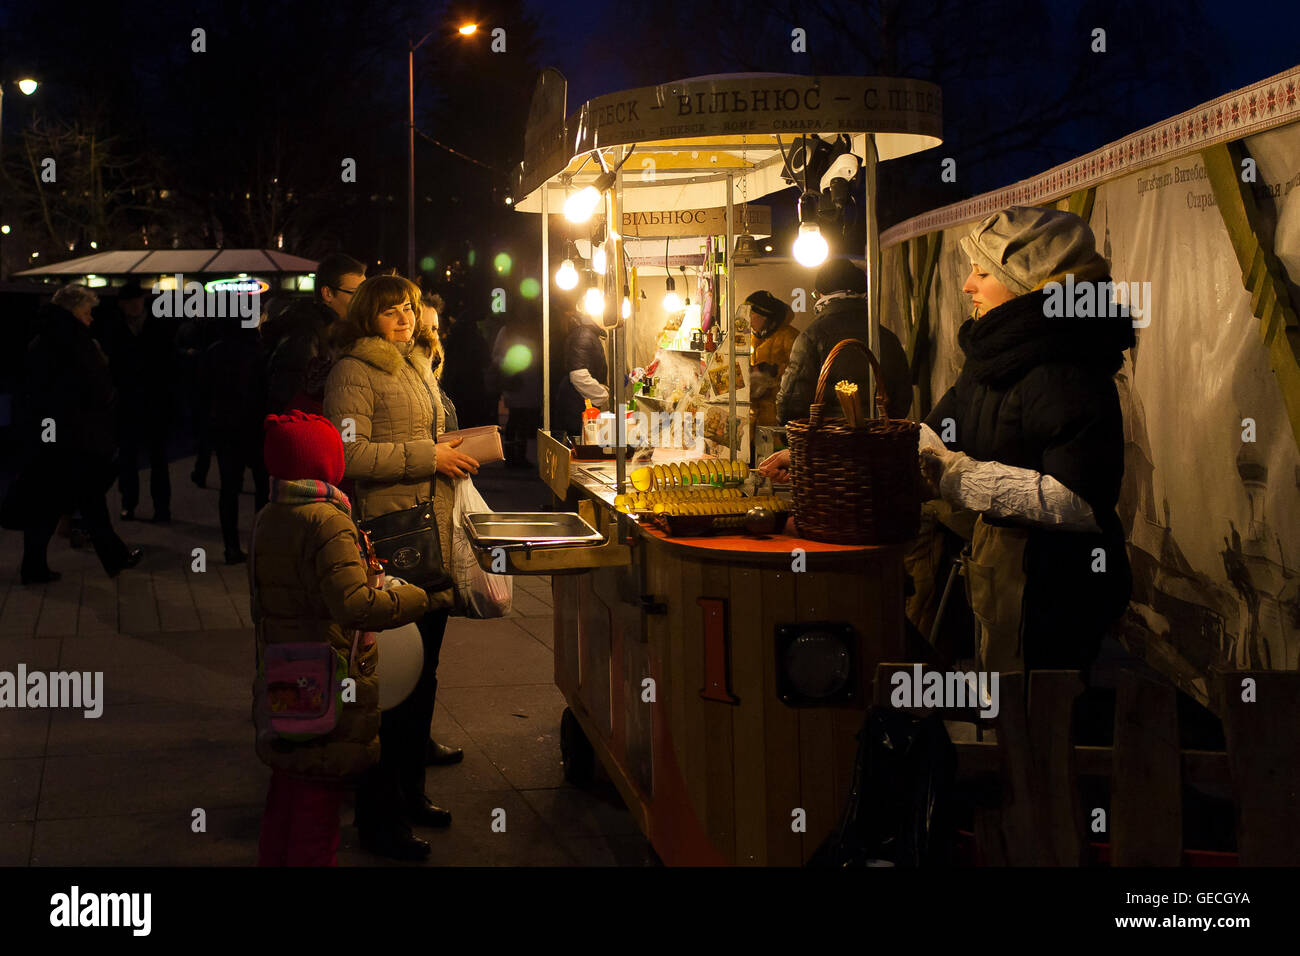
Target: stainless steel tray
{"type": "Point", "coordinates": [528, 530]}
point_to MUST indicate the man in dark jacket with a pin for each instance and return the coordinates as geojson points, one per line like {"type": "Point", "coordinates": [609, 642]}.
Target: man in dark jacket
{"type": "Point", "coordinates": [1031, 437]}
{"type": "Point", "coordinates": [232, 386]}
{"type": "Point", "coordinates": [301, 356]}
{"type": "Point", "coordinates": [67, 426]}
{"type": "Point", "coordinates": [585, 370]}
{"type": "Point", "coordinates": [841, 313]}
{"type": "Point", "coordinates": [140, 351]}
{"type": "Point", "coordinates": [466, 357]}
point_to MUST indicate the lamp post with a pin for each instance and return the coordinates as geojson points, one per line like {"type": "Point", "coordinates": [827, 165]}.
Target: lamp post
{"type": "Point", "coordinates": [26, 86]}
{"type": "Point", "coordinates": [468, 29]}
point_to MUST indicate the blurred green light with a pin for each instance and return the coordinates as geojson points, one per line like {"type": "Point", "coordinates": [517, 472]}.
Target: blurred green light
{"type": "Point", "coordinates": [517, 358]}
{"type": "Point", "coordinates": [428, 264]}
{"type": "Point", "coordinates": [471, 257]}
{"type": "Point", "coordinates": [530, 288]}
{"type": "Point", "coordinates": [503, 263]}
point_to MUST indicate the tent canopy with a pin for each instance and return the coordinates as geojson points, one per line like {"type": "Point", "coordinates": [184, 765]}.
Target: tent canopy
{"type": "Point", "coordinates": [686, 136]}
{"type": "Point", "coordinates": [150, 262]}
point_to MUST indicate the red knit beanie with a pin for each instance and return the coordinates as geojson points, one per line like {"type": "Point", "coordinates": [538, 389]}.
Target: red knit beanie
{"type": "Point", "coordinates": [299, 445]}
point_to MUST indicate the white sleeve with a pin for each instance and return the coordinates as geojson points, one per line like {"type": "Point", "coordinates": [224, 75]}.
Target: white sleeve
{"type": "Point", "coordinates": [588, 387]}
{"type": "Point", "coordinates": [1004, 491]}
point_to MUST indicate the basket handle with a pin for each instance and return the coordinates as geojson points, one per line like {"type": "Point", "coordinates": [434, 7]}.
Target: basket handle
{"type": "Point", "coordinates": [881, 400]}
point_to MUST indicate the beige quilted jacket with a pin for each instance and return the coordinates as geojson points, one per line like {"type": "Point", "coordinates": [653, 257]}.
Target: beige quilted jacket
{"type": "Point", "coordinates": [396, 414]}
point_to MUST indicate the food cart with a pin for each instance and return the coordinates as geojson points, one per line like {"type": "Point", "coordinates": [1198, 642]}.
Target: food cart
{"type": "Point", "coordinates": [719, 679]}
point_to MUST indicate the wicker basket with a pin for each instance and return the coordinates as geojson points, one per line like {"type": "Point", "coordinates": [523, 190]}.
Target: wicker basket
{"type": "Point", "coordinates": [855, 485]}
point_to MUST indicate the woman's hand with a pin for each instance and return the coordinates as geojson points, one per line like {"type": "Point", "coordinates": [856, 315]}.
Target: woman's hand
{"type": "Point", "coordinates": [452, 463]}
{"type": "Point", "coordinates": [776, 466]}
{"type": "Point", "coordinates": [931, 472]}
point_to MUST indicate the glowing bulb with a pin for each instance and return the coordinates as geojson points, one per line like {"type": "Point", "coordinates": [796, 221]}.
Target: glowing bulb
{"type": "Point", "coordinates": [468, 29]}
{"type": "Point", "coordinates": [580, 206]}
{"type": "Point", "coordinates": [27, 86]}
{"type": "Point", "coordinates": [810, 248]}
{"type": "Point", "coordinates": [593, 303]}
{"type": "Point", "coordinates": [566, 277]}
{"type": "Point", "coordinates": [598, 259]}
{"type": "Point", "coordinates": [4, 229]}
{"type": "Point", "coordinates": [672, 301]}
{"type": "Point", "coordinates": [627, 307]}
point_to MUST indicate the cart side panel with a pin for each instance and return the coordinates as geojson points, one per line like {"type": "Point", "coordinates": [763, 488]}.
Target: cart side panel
{"type": "Point", "coordinates": [780, 729]}
{"type": "Point", "coordinates": [819, 597]}
{"type": "Point", "coordinates": [595, 625]}
{"type": "Point", "coordinates": [749, 645]}
{"type": "Point", "coordinates": [719, 810]}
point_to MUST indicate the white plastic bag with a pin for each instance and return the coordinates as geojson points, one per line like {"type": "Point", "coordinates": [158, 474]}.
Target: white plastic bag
{"type": "Point", "coordinates": [479, 594]}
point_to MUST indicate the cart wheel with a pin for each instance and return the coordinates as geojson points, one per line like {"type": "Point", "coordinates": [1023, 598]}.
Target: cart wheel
{"type": "Point", "coordinates": [576, 755]}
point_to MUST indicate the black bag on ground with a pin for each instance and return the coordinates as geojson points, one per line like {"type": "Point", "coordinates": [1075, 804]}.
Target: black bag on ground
{"type": "Point", "coordinates": [900, 807]}
{"type": "Point", "coordinates": [407, 542]}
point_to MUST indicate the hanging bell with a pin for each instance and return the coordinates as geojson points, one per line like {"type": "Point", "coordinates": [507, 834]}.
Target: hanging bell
{"type": "Point", "coordinates": [746, 248]}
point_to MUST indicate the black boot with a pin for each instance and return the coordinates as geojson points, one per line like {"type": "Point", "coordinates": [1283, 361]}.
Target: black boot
{"type": "Point", "coordinates": [422, 812]}
{"type": "Point", "coordinates": [395, 843]}
{"type": "Point", "coordinates": [438, 755]}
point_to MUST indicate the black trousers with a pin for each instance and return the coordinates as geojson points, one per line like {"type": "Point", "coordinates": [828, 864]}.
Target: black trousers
{"type": "Point", "coordinates": [88, 495]}
{"type": "Point", "coordinates": [397, 780]}
{"type": "Point", "coordinates": [234, 454]}
{"type": "Point", "coordinates": [144, 432]}
{"type": "Point", "coordinates": [521, 426]}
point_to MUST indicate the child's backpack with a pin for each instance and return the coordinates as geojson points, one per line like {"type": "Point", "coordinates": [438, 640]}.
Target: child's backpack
{"type": "Point", "coordinates": [298, 692]}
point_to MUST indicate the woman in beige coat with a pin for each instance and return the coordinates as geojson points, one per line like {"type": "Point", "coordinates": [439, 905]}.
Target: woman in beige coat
{"type": "Point", "coordinates": [383, 396]}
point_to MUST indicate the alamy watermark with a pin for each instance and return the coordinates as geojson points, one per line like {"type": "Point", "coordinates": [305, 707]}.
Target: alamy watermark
{"type": "Point", "coordinates": [946, 690]}
{"type": "Point", "coordinates": [76, 690]}
{"type": "Point", "coordinates": [1096, 300]}
{"type": "Point", "coordinates": [191, 300]}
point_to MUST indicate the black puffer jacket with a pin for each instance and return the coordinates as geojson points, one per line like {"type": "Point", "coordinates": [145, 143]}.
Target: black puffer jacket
{"type": "Point", "coordinates": [1039, 393]}
{"type": "Point", "coordinates": [300, 357]}
{"type": "Point", "coordinates": [68, 379]}
{"type": "Point", "coordinates": [583, 348]}
{"type": "Point", "coordinates": [841, 319]}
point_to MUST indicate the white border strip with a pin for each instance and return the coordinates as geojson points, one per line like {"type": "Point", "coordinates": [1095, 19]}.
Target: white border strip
{"type": "Point", "coordinates": [1252, 109]}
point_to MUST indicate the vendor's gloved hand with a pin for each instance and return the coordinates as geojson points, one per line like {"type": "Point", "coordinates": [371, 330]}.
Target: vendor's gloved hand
{"type": "Point", "coordinates": [941, 471]}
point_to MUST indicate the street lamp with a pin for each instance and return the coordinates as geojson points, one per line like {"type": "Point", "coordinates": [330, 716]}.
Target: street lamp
{"type": "Point", "coordinates": [26, 86]}
{"type": "Point", "coordinates": [467, 29]}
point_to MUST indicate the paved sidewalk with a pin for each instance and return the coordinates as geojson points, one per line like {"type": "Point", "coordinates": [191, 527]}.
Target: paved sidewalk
{"type": "Point", "coordinates": [176, 650]}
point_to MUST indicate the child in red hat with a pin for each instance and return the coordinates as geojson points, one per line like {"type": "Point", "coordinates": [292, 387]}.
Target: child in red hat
{"type": "Point", "coordinates": [310, 586]}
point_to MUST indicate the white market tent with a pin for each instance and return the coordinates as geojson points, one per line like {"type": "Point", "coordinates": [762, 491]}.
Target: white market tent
{"type": "Point", "coordinates": [701, 144]}
{"type": "Point", "coordinates": [154, 262]}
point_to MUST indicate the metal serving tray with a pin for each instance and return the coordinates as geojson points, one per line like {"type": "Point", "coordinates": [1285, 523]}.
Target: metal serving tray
{"type": "Point", "coordinates": [529, 530]}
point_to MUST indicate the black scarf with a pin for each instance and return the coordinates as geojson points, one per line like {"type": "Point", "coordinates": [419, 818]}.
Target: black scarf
{"type": "Point", "coordinates": [1016, 336]}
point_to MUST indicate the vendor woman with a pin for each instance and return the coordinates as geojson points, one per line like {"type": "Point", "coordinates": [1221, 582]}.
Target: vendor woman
{"type": "Point", "coordinates": [1031, 438]}
{"type": "Point", "coordinates": [773, 337]}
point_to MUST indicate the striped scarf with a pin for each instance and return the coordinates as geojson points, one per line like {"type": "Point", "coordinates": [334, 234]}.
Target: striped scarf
{"type": "Point", "coordinates": [304, 491]}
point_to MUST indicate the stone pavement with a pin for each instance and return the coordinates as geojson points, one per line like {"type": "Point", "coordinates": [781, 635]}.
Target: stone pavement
{"type": "Point", "coordinates": [176, 651]}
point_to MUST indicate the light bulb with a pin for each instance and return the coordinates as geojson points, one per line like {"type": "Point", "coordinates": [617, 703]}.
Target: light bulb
{"type": "Point", "coordinates": [810, 248]}
{"type": "Point", "coordinates": [672, 301]}
{"type": "Point", "coordinates": [566, 277]}
{"type": "Point", "coordinates": [593, 303]}
{"type": "Point", "coordinates": [627, 307]}
{"type": "Point", "coordinates": [598, 259]}
{"type": "Point", "coordinates": [580, 206]}
{"type": "Point", "coordinates": [27, 86]}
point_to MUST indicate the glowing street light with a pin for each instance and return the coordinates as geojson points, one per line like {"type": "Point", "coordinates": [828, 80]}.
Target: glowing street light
{"type": "Point", "coordinates": [27, 86]}
{"type": "Point", "coordinates": [468, 29]}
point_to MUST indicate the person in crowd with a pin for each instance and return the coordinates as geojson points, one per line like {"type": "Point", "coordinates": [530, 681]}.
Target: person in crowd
{"type": "Point", "coordinates": [310, 584]}
{"type": "Point", "coordinates": [1031, 438]}
{"type": "Point", "coordinates": [301, 358]}
{"type": "Point", "coordinates": [517, 374]}
{"type": "Point", "coordinates": [141, 354]}
{"type": "Point", "coordinates": [193, 338]}
{"type": "Point", "coordinates": [232, 388]}
{"type": "Point", "coordinates": [465, 360]}
{"type": "Point", "coordinates": [772, 339]}
{"type": "Point", "coordinates": [384, 383]}
{"type": "Point", "coordinates": [67, 421]}
{"type": "Point", "coordinates": [584, 370]}
{"type": "Point", "coordinates": [841, 313]}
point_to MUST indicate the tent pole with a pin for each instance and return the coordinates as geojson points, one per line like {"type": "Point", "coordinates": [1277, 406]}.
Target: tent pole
{"type": "Point", "coordinates": [873, 261]}
{"type": "Point", "coordinates": [733, 433]}
{"type": "Point", "coordinates": [546, 312]}
{"type": "Point", "coordinates": [618, 368]}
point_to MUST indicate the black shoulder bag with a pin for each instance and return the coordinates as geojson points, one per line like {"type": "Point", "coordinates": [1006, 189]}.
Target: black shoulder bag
{"type": "Point", "coordinates": [407, 543]}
